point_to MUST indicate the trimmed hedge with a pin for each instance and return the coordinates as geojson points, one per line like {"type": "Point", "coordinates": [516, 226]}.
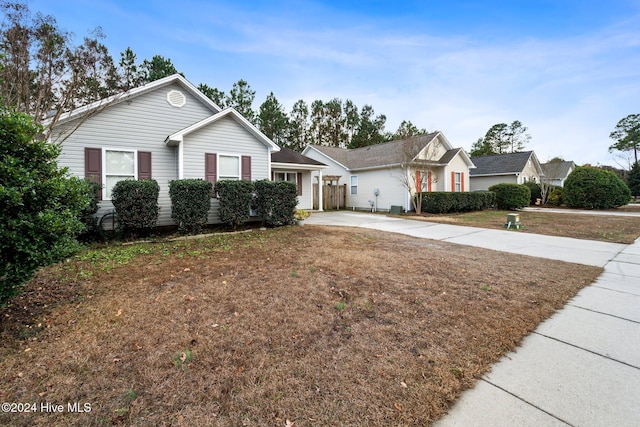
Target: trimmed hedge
{"type": "Point", "coordinates": [593, 188]}
{"type": "Point", "coordinates": [447, 202]}
{"type": "Point", "coordinates": [88, 214]}
{"type": "Point", "coordinates": [136, 204]}
{"type": "Point", "coordinates": [511, 196]}
{"type": "Point", "coordinates": [190, 203]}
{"type": "Point", "coordinates": [235, 199]}
{"type": "Point", "coordinates": [276, 202]}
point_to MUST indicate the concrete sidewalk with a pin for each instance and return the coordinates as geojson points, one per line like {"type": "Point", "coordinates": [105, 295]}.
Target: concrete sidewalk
{"type": "Point", "coordinates": [582, 366]}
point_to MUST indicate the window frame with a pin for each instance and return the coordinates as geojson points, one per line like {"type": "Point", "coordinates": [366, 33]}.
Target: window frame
{"type": "Point", "coordinates": [457, 182]}
{"type": "Point", "coordinates": [229, 177]}
{"type": "Point", "coordinates": [105, 174]}
{"type": "Point", "coordinates": [352, 186]}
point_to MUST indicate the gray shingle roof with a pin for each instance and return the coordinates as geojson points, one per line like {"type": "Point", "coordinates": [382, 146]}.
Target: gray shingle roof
{"type": "Point", "coordinates": [388, 153]}
{"type": "Point", "coordinates": [286, 155]}
{"type": "Point", "coordinates": [557, 170]}
{"type": "Point", "coordinates": [496, 164]}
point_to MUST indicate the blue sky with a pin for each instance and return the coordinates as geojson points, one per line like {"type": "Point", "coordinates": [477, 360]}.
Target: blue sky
{"type": "Point", "coordinates": [568, 70]}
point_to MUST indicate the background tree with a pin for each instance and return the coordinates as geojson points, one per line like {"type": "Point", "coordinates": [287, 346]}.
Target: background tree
{"type": "Point", "coordinates": [317, 127]}
{"type": "Point", "coordinates": [131, 75]}
{"type": "Point", "coordinates": [627, 135]}
{"type": "Point", "coordinates": [273, 121]}
{"type": "Point", "coordinates": [482, 147]}
{"type": "Point", "coordinates": [633, 180]}
{"type": "Point", "coordinates": [407, 130]}
{"type": "Point", "coordinates": [334, 122]}
{"type": "Point", "coordinates": [351, 120]}
{"type": "Point", "coordinates": [35, 62]}
{"type": "Point", "coordinates": [94, 76]}
{"type": "Point", "coordinates": [241, 98]}
{"type": "Point", "coordinates": [298, 125]}
{"type": "Point", "coordinates": [502, 138]}
{"type": "Point", "coordinates": [157, 67]}
{"type": "Point", "coordinates": [370, 129]}
{"type": "Point", "coordinates": [213, 94]}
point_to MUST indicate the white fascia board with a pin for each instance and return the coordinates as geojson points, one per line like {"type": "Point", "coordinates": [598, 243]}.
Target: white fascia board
{"type": "Point", "coordinates": [496, 174]}
{"type": "Point", "coordinates": [298, 166]}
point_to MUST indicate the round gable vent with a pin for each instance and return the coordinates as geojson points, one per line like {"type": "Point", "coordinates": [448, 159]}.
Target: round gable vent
{"type": "Point", "coordinates": [176, 98]}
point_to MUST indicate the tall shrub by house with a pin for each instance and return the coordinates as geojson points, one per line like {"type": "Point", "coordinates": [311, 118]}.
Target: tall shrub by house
{"type": "Point", "coordinates": [235, 199]}
{"type": "Point", "coordinates": [136, 204]}
{"type": "Point", "coordinates": [276, 202]}
{"type": "Point", "coordinates": [41, 204]}
{"type": "Point", "coordinates": [511, 196]}
{"type": "Point", "coordinates": [190, 203]}
{"type": "Point", "coordinates": [593, 188]}
{"type": "Point", "coordinates": [633, 180]}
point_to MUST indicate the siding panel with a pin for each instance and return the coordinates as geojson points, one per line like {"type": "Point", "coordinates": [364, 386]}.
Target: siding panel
{"type": "Point", "coordinates": [142, 124]}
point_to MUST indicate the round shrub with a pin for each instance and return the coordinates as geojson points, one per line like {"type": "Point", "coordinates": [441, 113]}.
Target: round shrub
{"type": "Point", "coordinates": [536, 192]}
{"type": "Point", "coordinates": [555, 198]}
{"type": "Point", "coordinates": [593, 188]}
{"type": "Point", "coordinates": [511, 196]}
{"type": "Point", "coordinates": [136, 203]}
{"type": "Point", "coordinates": [190, 203]}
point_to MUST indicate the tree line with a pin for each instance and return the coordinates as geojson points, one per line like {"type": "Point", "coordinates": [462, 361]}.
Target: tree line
{"type": "Point", "coordinates": [45, 74]}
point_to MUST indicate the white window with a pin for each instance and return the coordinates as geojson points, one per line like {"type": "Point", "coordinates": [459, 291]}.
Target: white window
{"type": "Point", "coordinates": [229, 167]}
{"type": "Point", "coordinates": [458, 181]}
{"type": "Point", "coordinates": [118, 166]}
{"type": "Point", "coordinates": [286, 176]}
{"type": "Point", "coordinates": [354, 185]}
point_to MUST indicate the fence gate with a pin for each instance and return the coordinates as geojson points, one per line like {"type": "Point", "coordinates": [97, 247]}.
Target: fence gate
{"type": "Point", "coordinates": [333, 196]}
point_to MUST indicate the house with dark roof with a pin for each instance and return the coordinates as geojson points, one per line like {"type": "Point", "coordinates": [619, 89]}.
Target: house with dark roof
{"type": "Point", "coordinates": [516, 168]}
{"type": "Point", "coordinates": [167, 130]}
{"type": "Point", "coordinates": [384, 175]}
{"type": "Point", "coordinates": [557, 171]}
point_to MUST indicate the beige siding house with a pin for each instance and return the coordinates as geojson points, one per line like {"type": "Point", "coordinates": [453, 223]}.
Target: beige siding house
{"type": "Point", "coordinates": [384, 175]}
{"type": "Point", "coordinates": [164, 130]}
{"type": "Point", "coordinates": [516, 168]}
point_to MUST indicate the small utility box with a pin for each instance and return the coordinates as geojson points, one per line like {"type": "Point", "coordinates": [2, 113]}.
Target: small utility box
{"type": "Point", "coordinates": [513, 220]}
{"type": "Point", "coordinates": [396, 210]}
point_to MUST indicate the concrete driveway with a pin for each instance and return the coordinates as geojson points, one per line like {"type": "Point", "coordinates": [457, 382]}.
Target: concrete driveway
{"type": "Point", "coordinates": [560, 248]}
{"type": "Point", "coordinates": [581, 367]}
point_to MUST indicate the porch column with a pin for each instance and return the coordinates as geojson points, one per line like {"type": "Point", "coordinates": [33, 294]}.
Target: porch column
{"type": "Point", "coordinates": [320, 191]}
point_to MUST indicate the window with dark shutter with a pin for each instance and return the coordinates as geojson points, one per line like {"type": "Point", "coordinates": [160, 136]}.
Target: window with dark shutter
{"type": "Point", "coordinates": [93, 166]}
{"type": "Point", "coordinates": [144, 165]}
{"type": "Point", "coordinates": [299, 183]}
{"type": "Point", "coordinates": [246, 168]}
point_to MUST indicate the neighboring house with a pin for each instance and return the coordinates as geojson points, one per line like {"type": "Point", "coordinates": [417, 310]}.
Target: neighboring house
{"type": "Point", "coordinates": [516, 168]}
{"type": "Point", "coordinates": [556, 172]}
{"type": "Point", "coordinates": [380, 176]}
{"type": "Point", "coordinates": [289, 165]}
{"type": "Point", "coordinates": [164, 130]}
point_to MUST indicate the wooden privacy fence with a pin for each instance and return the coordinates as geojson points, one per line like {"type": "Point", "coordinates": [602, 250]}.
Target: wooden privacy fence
{"type": "Point", "coordinates": [333, 196]}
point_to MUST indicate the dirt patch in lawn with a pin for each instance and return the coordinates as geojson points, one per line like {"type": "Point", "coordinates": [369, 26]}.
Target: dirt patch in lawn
{"type": "Point", "coordinates": [301, 325]}
{"type": "Point", "coordinates": [605, 228]}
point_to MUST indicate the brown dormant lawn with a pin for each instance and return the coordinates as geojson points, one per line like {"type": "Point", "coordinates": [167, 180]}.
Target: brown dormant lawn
{"type": "Point", "coordinates": [295, 326]}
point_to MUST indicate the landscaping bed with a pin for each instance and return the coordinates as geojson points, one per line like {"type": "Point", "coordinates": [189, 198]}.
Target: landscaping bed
{"type": "Point", "coordinates": [293, 326]}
